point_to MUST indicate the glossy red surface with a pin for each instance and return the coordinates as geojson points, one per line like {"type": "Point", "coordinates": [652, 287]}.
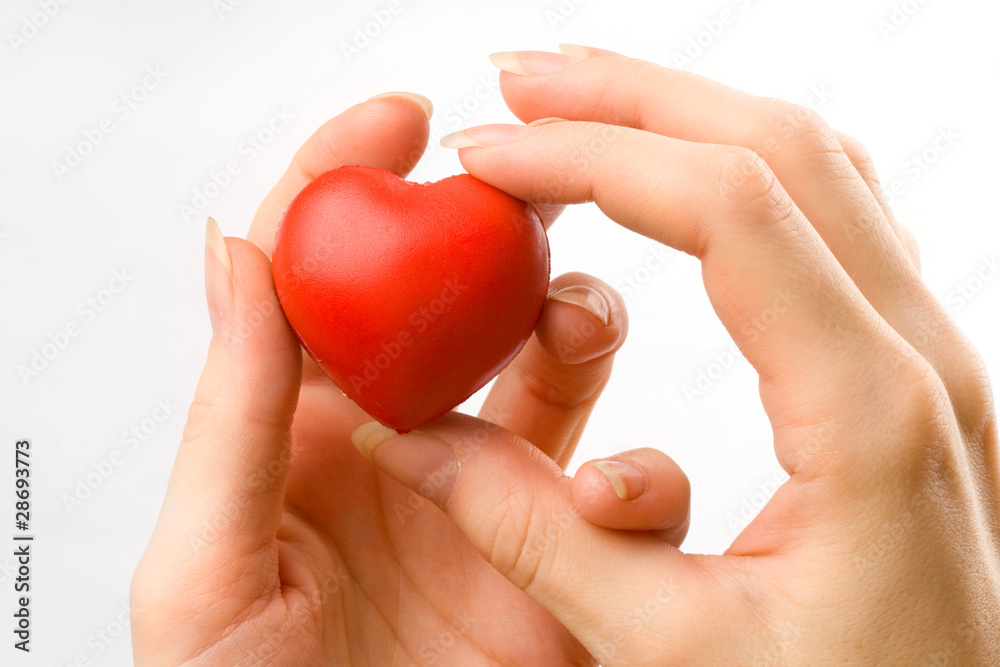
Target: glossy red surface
{"type": "Point", "coordinates": [410, 296]}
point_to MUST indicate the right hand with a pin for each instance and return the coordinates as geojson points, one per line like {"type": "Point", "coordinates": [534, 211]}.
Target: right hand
{"type": "Point", "coordinates": [883, 547]}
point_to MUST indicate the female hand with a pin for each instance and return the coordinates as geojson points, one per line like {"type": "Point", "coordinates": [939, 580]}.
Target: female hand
{"type": "Point", "coordinates": [883, 546]}
{"type": "Point", "coordinates": [277, 542]}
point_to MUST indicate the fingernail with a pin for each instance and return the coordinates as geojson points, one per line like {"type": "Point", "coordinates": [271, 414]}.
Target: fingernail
{"type": "Point", "coordinates": [218, 278]}
{"type": "Point", "coordinates": [546, 121]}
{"type": "Point", "coordinates": [628, 481]}
{"type": "Point", "coordinates": [418, 461]}
{"type": "Point", "coordinates": [575, 50]}
{"type": "Point", "coordinates": [424, 103]}
{"type": "Point", "coordinates": [485, 135]}
{"type": "Point", "coordinates": [528, 63]}
{"type": "Point", "coordinates": [587, 298]}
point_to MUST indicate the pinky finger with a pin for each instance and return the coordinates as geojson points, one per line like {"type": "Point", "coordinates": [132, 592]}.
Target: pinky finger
{"type": "Point", "coordinates": [641, 489]}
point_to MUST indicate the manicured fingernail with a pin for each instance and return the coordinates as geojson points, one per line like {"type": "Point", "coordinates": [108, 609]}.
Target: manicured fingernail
{"type": "Point", "coordinates": [546, 121]}
{"type": "Point", "coordinates": [485, 135]}
{"type": "Point", "coordinates": [529, 63]}
{"type": "Point", "coordinates": [418, 461]}
{"type": "Point", "coordinates": [424, 103]}
{"type": "Point", "coordinates": [218, 278]}
{"type": "Point", "coordinates": [587, 298]}
{"type": "Point", "coordinates": [628, 481]}
{"type": "Point", "coordinates": [575, 50]}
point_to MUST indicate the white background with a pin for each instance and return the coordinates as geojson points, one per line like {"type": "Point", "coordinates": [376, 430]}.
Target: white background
{"type": "Point", "coordinates": [229, 68]}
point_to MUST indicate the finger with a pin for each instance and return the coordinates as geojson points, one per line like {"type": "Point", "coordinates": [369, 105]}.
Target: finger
{"type": "Point", "coordinates": [389, 132]}
{"type": "Point", "coordinates": [547, 393]}
{"type": "Point", "coordinates": [800, 149]}
{"type": "Point", "coordinates": [791, 308]}
{"type": "Point", "coordinates": [641, 489]}
{"type": "Point", "coordinates": [224, 498]}
{"type": "Point", "coordinates": [864, 165]}
{"type": "Point", "coordinates": [515, 507]}
{"type": "Point", "coordinates": [803, 153]}
{"type": "Point", "coordinates": [548, 212]}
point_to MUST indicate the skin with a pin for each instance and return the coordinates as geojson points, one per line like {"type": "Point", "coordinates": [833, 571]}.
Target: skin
{"type": "Point", "coordinates": [882, 548]}
{"type": "Point", "coordinates": [277, 542]}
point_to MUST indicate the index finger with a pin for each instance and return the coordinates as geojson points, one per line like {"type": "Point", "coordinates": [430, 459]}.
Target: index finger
{"type": "Point", "coordinates": [790, 307]}
{"type": "Point", "coordinates": [388, 131]}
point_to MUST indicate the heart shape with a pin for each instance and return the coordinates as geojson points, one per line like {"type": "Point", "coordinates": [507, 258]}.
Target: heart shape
{"type": "Point", "coordinates": [410, 297]}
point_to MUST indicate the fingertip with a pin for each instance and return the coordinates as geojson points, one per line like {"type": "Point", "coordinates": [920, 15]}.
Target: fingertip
{"type": "Point", "coordinates": [218, 278]}
{"type": "Point", "coordinates": [600, 487]}
{"type": "Point", "coordinates": [642, 489]}
{"type": "Point", "coordinates": [626, 480]}
{"type": "Point", "coordinates": [426, 106]}
{"type": "Point", "coordinates": [259, 324]}
{"type": "Point", "coordinates": [583, 319]}
{"type": "Point", "coordinates": [587, 298]}
{"type": "Point", "coordinates": [250, 267]}
{"type": "Point", "coordinates": [548, 212]}
{"type": "Point", "coordinates": [388, 132]}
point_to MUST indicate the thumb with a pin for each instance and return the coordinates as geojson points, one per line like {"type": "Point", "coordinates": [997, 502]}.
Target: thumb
{"type": "Point", "coordinates": [215, 538]}
{"type": "Point", "coordinates": [226, 488]}
{"type": "Point", "coordinates": [515, 506]}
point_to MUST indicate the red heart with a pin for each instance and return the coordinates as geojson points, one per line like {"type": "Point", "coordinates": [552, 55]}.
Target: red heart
{"type": "Point", "coordinates": [410, 297]}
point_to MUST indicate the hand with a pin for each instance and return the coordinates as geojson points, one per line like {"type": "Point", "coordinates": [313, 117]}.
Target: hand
{"type": "Point", "coordinates": [277, 542]}
{"type": "Point", "coordinates": [883, 546]}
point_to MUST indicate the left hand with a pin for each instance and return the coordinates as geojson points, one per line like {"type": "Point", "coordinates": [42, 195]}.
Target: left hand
{"type": "Point", "coordinates": [277, 542]}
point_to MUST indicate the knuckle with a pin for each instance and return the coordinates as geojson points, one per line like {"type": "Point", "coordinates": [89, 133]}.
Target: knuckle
{"type": "Point", "coordinates": [855, 150]}
{"type": "Point", "coordinates": [743, 174]}
{"type": "Point", "coordinates": [862, 163]}
{"type": "Point", "coordinates": [908, 238]}
{"type": "Point", "coordinates": [138, 593]}
{"type": "Point", "coordinates": [512, 530]}
{"type": "Point", "coordinates": [921, 414]}
{"type": "Point", "coordinates": [909, 241]}
{"type": "Point", "coordinates": [800, 126]}
{"type": "Point", "coordinates": [859, 157]}
{"type": "Point", "coordinates": [613, 97]}
{"type": "Point", "coordinates": [150, 604]}
{"type": "Point", "coordinates": [590, 145]}
{"type": "Point", "coordinates": [551, 394]}
{"type": "Point", "coordinates": [750, 187]}
{"type": "Point", "coordinates": [199, 418]}
{"type": "Point", "coordinates": [524, 540]}
{"type": "Point", "coordinates": [972, 392]}
{"type": "Point", "coordinates": [796, 135]}
{"type": "Point", "coordinates": [914, 249]}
